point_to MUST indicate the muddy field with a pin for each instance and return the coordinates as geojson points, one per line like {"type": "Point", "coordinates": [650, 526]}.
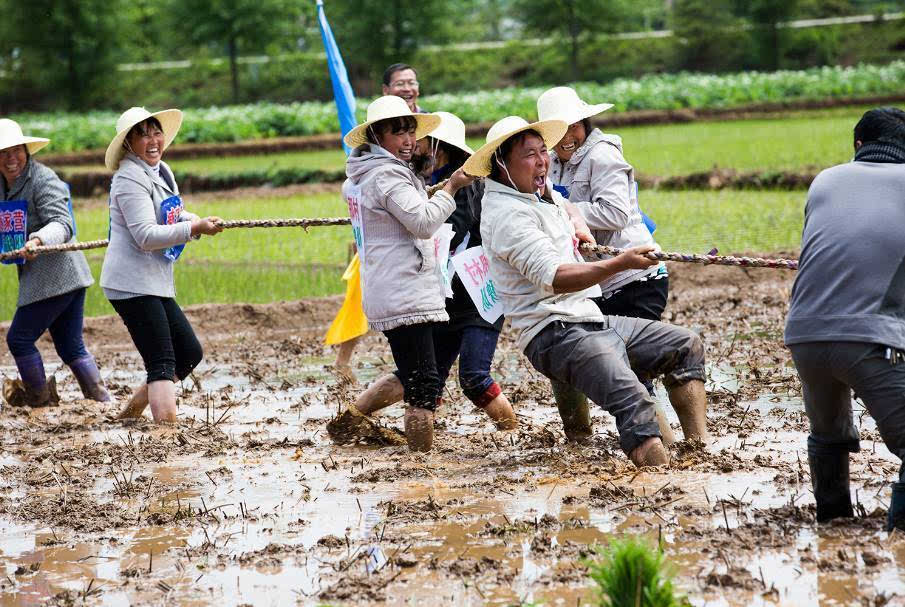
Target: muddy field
{"type": "Point", "coordinates": [246, 501]}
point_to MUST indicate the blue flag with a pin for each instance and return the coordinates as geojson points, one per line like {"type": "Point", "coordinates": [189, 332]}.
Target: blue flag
{"type": "Point", "coordinates": [342, 90]}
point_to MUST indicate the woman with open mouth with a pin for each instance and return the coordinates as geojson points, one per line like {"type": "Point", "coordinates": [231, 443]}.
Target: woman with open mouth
{"type": "Point", "coordinates": [52, 286]}
{"type": "Point", "coordinates": [148, 229]}
{"type": "Point", "coordinates": [394, 222]}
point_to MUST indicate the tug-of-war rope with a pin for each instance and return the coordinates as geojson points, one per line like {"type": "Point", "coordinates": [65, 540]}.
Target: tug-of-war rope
{"type": "Point", "coordinates": [719, 260]}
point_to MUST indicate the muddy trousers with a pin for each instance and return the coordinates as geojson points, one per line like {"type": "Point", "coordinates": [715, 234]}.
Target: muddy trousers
{"type": "Point", "coordinates": [829, 372]}
{"type": "Point", "coordinates": [162, 334]}
{"type": "Point", "coordinates": [415, 355]}
{"type": "Point", "coordinates": [607, 361]}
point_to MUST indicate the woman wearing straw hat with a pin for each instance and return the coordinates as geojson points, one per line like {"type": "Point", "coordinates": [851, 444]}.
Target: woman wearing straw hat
{"type": "Point", "coordinates": [394, 222]}
{"type": "Point", "coordinates": [51, 287]}
{"type": "Point", "coordinates": [546, 288]}
{"type": "Point", "coordinates": [148, 226]}
{"type": "Point", "coordinates": [467, 336]}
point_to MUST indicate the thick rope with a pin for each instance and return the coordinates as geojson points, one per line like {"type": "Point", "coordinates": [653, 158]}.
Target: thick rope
{"type": "Point", "coordinates": [56, 248]}
{"type": "Point", "coordinates": [284, 223]}
{"type": "Point", "coordinates": [718, 260]}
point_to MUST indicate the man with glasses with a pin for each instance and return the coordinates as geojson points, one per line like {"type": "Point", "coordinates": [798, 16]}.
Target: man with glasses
{"type": "Point", "coordinates": [401, 80]}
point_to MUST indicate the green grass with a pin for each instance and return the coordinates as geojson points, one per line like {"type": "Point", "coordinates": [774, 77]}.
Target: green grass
{"type": "Point", "coordinates": [798, 141]}
{"type": "Point", "coordinates": [261, 265]}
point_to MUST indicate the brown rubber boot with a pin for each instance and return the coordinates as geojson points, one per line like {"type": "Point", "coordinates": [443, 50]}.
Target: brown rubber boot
{"type": "Point", "coordinates": [17, 394]}
{"type": "Point", "coordinates": [500, 411]}
{"type": "Point", "coordinates": [419, 428]}
{"type": "Point", "coordinates": [690, 402]}
{"type": "Point", "coordinates": [649, 453]}
{"type": "Point", "coordinates": [668, 437]}
{"type": "Point", "coordinates": [574, 411]}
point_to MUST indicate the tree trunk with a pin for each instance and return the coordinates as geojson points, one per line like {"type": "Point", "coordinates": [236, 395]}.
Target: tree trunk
{"type": "Point", "coordinates": [72, 69]}
{"type": "Point", "coordinates": [573, 36]}
{"type": "Point", "coordinates": [234, 67]}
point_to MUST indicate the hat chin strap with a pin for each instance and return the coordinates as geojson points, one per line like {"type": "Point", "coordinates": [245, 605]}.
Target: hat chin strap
{"type": "Point", "coordinates": [496, 154]}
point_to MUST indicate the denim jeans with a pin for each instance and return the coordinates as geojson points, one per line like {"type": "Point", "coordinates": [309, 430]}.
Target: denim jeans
{"type": "Point", "coordinates": [475, 347]}
{"type": "Point", "coordinates": [414, 352]}
{"type": "Point", "coordinates": [62, 315]}
{"type": "Point", "coordinates": [607, 360]}
{"type": "Point", "coordinates": [829, 372]}
{"type": "Point", "coordinates": [162, 334]}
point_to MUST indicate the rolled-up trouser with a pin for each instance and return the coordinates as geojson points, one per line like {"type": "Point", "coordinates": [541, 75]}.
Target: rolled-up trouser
{"type": "Point", "coordinates": [161, 334]}
{"type": "Point", "coordinates": [829, 372]}
{"type": "Point", "coordinates": [598, 359]}
{"type": "Point", "coordinates": [62, 315]}
{"type": "Point", "coordinates": [475, 347]}
{"type": "Point", "coordinates": [414, 352]}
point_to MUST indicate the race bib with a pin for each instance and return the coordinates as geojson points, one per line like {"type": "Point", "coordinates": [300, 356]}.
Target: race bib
{"type": "Point", "coordinates": [170, 210]}
{"type": "Point", "coordinates": [473, 269]}
{"type": "Point", "coordinates": [353, 199]}
{"type": "Point", "coordinates": [13, 217]}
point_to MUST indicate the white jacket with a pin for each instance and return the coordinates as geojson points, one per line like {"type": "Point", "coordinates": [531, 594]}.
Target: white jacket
{"type": "Point", "coordinates": [526, 240]}
{"type": "Point", "coordinates": [602, 185]}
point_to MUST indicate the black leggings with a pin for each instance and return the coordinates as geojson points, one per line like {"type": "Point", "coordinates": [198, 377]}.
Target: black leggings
{"type": "Point", "coordinates": [414, 353]}
{"type": "Point", "coordinates": [162, 334]}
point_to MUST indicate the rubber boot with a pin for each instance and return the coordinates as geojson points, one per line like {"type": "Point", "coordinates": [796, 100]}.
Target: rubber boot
{"type": "Point", "coordinates": [33, 389]}
{"type": "Point", "coordinates": [690, 403]}
{"type": "Point", "coordinates": [895, 517]}
{"type": "Point", "coordinates": [89, 378]}
{"type": "Point", "coordinates": [668, 437]}
{"type": "Point", "coordinates": [500, 411]}
{"type": "Point", "coordinates": [574, 411]}
{"type": "Point", "coordinates": [419, 428]}
{"type": "Point", "coordinates": [829, 480]}
{"type": "Point", "coordinates": [162, 398]}
{"type": "Point", "coordinates": [136, 405]}
{"type": "Point", "coordinates": [649, 453]}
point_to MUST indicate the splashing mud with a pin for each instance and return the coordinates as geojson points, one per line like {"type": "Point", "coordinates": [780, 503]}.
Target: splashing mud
{"type": "Point", "coordinates": [246, 500]}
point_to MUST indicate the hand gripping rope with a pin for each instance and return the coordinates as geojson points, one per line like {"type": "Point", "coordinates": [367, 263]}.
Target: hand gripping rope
{"type": "Point", "coordinates": [719, 260]}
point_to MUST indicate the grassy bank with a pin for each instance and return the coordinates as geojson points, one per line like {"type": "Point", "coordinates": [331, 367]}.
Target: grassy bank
{"type": "Point", "coordinates": [261, 265]}
{"type": "Point", "coordinates": [801, 140]}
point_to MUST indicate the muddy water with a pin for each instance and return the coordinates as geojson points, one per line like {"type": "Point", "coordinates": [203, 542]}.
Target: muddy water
{"type": "Point", "coordinates": [247, 502]}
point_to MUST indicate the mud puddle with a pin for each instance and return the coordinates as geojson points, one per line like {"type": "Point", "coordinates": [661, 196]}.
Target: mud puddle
{"type": "Point", "coordinates": [246, 501]}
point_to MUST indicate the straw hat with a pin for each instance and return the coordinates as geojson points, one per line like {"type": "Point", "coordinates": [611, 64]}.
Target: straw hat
{"type": "Point", "coordinates": [550, 130]}
{"type": "Point", "coordinates": [11, 135]}
{"type": "Point", "coordinates": [451, 131]}
{"type": "Point", "coordinates": [390, 106]}
{"type": "Point", "coordinates": [170, 121]}
{"type": "Point", "coordinates": [563, 103]}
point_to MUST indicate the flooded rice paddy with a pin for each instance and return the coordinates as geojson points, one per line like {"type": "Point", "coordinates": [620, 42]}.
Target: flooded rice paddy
{"type": "Point", "coordinates": [246, 501]}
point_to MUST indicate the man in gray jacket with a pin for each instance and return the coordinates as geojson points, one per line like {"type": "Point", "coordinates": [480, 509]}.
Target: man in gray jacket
{"type": "Point", "coordinates": [846, 324]}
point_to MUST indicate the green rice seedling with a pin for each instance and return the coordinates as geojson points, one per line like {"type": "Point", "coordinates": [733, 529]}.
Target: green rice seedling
{"type": "Point", "coordinates": [631, 573]}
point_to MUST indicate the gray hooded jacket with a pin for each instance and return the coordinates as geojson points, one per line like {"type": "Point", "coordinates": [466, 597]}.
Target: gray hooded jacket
{"type": "Point", "coordinates": [602, 185]}
{"type": "Point", "coordinates": [399, 278]}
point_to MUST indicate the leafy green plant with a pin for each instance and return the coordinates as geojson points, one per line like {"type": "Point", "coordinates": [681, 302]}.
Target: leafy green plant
{"type": "Point", "coordinates": [631, 573]}
{"type": "Point", "coordinates": [79, 131]}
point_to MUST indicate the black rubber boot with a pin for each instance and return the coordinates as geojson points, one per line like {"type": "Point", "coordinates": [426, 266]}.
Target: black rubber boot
{"type": "Point", "coordinates": [830, 480]}
{"type": "Point", "coordinates": [895, 517]}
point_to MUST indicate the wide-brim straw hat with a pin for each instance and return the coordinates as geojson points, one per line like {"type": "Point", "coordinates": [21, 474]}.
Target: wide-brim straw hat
{"type": "Point", "coordinates": [551, 131]}
{"type": "Point", "coordinates": [390, 106]}
{"type": "Point", "coordinates": [451, 131]}
{"type": "Point", "coordinates": [170, 121]}
{"type": "Point", "coordinates": [11, 136]}
{"type": "Point", "coordinates": [563, 103]}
